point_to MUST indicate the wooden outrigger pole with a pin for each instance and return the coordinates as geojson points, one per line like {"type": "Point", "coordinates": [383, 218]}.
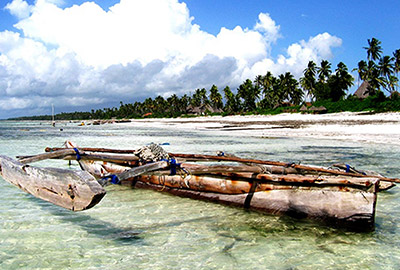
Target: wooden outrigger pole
{"type": "Point", "coordinates": [199, 157]}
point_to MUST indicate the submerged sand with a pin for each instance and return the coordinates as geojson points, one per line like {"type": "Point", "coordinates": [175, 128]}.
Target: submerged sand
{"type": "Point", "coordinates": [363, 127]}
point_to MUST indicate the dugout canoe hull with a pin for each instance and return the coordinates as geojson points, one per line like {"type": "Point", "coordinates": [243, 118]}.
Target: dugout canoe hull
{"type": "Point", "coordinates": [349, 208]}
{"type": "Point", "coordinates": [73, 190]}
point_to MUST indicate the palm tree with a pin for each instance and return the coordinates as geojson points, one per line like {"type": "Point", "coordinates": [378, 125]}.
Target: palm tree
{"type": "Point", "coordinates": [362, 71]}
{"type": "Point", "coordinates": [264, 85]}
{"type": "Point", "coordinates": [375, 79]}
{"type": "Point", "coordinates": [282, 93]}
{"type": "Point", "coordinates": [160, 105]}
{"type": "Point", "coordinates": [345, 77]}
{"type": "Point", "coordinates": [232, 104]}
{"type": "Point", "coordinates": [386, 68]}
{"type": "Point", "coordinates": [196, 100]}
{"type": "Point", "coordinates": [392, 83]}
{"type": "Point", "coordinates": [148, 105]}
{"type": "Point", "coordinates": [396, 56]}
{"type": "Point", "coordinates": [324, 71]}
{"type": "Point", "coordinates": [203, 96]}
{"type": "Point", "coordinates": [340, 82]}
{"type": "Point", "coordinates": [249, 93]}
{"type": "Point", "coordinates": [215, 98]}
{"type": "Point", "coordinates": [374, 49]}
{"type": "Point", "coordinates": [184, 102]}
{"type": "Point", "coordinates": [293, 93]}
{"type": "Point", "coordinates": [308, 79]}
{"type": "Point", "coordinates": [259, 80]}
{"type": "Point", "coordinates": [173, 104]}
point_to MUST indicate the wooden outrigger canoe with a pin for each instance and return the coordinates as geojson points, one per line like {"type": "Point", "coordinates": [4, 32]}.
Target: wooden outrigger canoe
{"type": "Point", "coordinates": [73, 190]}
{"type": "Point", "coordinates": [345, 198]}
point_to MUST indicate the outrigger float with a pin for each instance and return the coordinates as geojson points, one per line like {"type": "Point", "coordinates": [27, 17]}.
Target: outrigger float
{"type": "Point", "coordinates": [339, 196]}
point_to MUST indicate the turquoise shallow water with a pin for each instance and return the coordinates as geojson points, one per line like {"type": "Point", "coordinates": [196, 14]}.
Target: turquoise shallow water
{"type": "Point", "coordinates": [144, 229]}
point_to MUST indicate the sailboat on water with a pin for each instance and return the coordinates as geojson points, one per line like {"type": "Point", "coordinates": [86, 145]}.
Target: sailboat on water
{"type": "Point", "coordinates": [53, 122]}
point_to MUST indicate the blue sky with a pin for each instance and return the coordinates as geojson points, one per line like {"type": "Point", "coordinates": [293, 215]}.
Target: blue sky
{"type": "Point", "coordinates": [353, 21]}
{"type": "Point", "coordinates": [83, 55]}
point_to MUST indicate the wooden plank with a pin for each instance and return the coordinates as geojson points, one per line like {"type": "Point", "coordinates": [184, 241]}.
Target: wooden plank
{"type": "Point", "coordinates": [73, 190]}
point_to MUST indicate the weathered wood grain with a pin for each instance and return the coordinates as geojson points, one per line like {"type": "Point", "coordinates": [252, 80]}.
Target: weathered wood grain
{"type": "Point", "coordinates": [351, 210]}
{"type": "Point", "coordinates": [142, 169]}
{"type": "Point", "coordinates": [73, 190]}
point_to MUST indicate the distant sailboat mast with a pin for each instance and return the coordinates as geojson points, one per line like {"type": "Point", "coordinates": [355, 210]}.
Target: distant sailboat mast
{"type": "Point", "coordinates": [52, 115]}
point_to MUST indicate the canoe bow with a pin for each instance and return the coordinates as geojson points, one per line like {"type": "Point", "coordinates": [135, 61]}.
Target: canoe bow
{"type": "Point", "coordinates": [73, 190]}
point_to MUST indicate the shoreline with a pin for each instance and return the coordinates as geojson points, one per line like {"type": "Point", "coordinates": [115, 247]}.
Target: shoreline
{"type": "Point", "coordinates": [360, 127]}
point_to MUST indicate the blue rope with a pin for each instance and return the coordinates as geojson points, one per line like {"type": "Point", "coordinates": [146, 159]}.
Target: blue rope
{"type": "Point", "coordinates": [78, 156]}
{"type": "Point", "coordinates": [113, 179]}
{"type": "Point", "coordinates": [173, 165]}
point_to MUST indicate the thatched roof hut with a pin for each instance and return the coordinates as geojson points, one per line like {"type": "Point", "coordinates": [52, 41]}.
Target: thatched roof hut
{"type": "Point", "coordinates": [363, 91]}
{"type": "Point", "coordinates": [303, 108]}
{"type": "Point", "coordinates": [200, 110]}
{"type": "Point", "coordinates": [318, 110]}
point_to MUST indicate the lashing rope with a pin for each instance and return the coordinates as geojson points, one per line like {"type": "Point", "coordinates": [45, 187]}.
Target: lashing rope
{"type": "Point", "coordinates": [113, 179]}
{"type": "Point", "coordinates": [78, 155]}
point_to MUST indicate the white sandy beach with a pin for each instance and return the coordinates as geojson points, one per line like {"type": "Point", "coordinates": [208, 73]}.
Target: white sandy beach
{"type": "Point", "coordinates": [362, 127]}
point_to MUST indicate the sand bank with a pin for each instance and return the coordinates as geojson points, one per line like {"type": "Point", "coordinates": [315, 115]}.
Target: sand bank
{"type": "Point", "coordinates": [370, 128]}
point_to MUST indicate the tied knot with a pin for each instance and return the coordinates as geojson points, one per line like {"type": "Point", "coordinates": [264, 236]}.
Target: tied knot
{"type": "Point", "coordinates": [78, 155]}
{"type": "Point", "coordinates": [173, 165]}
{"type": "Point", "coordinates": [112, 178]}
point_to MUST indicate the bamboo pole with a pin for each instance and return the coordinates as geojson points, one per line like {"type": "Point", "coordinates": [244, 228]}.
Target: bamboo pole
{"type": "Point", "coordinates": [243, 173]}
{"type": "Point", "coordinates": [252, 173]}
{"type": "Point", "coordinates": [206, 169]}
{"type": "Point", "coordinates": [56, 154]}
{"type": "Point", "coordinates": [105, 157]}
{"type": "Point", "coordinates": [200, 157]}
{"type": "Point", "coordinates": [278, 163]}
{"type": "Point", "coordinates": [91, 149]}
{"type": "Point", "coordinates": [70, 154]}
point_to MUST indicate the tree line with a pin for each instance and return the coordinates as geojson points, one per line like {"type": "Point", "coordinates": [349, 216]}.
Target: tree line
{"type": "Point", "coordinates": [266, 92]}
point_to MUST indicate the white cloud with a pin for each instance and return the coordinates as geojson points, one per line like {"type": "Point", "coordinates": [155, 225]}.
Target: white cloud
{"type": "Point", "coordinates": [19, 8]}
{"type": "Point", "coordinates": [298, 55]}
{"type": "Point", "coordinates": [267, 25]}
{"type": "Point", "coordinates": [14, 103]}
{"type": "Point", "coordinates": [84, 55]}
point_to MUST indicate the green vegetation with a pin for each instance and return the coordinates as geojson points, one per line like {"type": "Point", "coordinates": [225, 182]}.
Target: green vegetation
{"type": "Point", "coordinates": [268, 94]}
